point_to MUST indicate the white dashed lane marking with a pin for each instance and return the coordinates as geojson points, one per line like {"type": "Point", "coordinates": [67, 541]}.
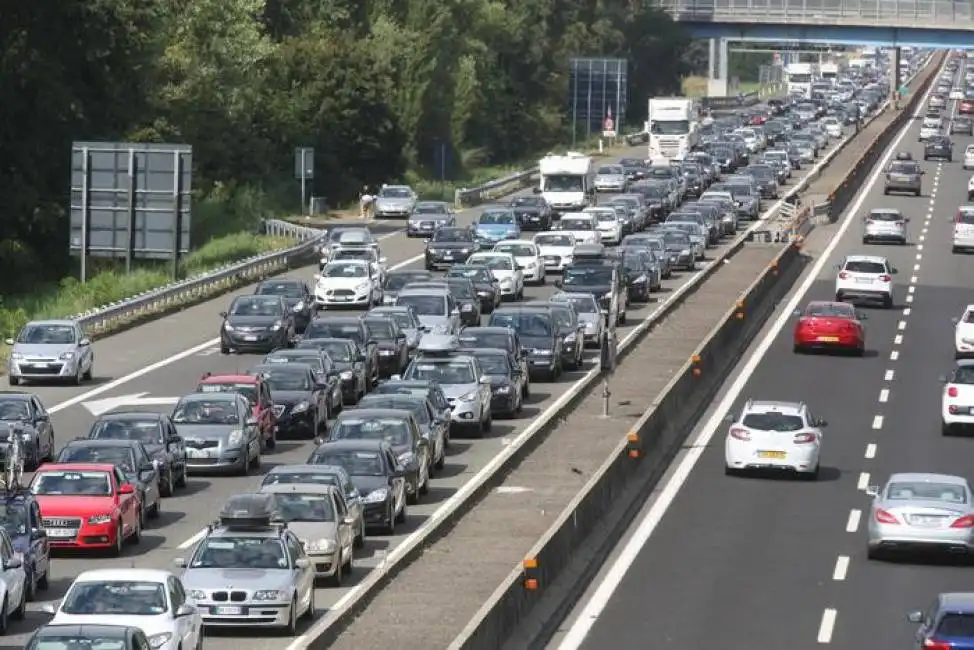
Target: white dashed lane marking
{"type": "Point", "coordinates": [841, 568]}
{"type": "Point", "coordinates": [863, 481]}
{"type": "Point", "coordinates": [889, 375]}
{"type": "Point", "coordinates": [884, 396]}
{"type": "Point", "coordinates": [852, 524]}
{"type": "Point", "coordinates": [827, 626]}
{"type": "Point", "coordinates": [878, 422]}
{"type": "Point", "coordinates": [870, 451]}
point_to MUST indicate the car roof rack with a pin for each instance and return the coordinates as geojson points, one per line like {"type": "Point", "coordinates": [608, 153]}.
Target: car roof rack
{"type": "Point", "coordinates": [250, 512]}
{"type": "Point", "coordinates": [438, 344]}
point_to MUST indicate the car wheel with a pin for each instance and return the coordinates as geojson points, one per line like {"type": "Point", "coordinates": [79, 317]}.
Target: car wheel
{"type": "Point", "coordinates": [181, 481]}
{"type": "Point", "coordinates": [166, 488]}
{"type": "Point", "coordinates": [390, 526]}
{"type": "Point", "coordinates": [13, 381]}
{"type": "Point", "coordinates": [335, 580]}
{"type": "Point", "coordinates": [30, 586]}
{"type": "Point", "coordinates": [401, 516]}
{"type": "Point", "coordinates": [90, 372]}
{"type": "Point", "coordinates": [119, 546]}
{"type": "Point", "coordinates": [21, 610]}
{"type": "Point", "coordinates": [359, 540]}
{"type": "Point", "coordinates": [155, 509]}
{"type": "Point", "coordinates": [4, 622]}
{"type": "Point", "coordinates": [489, 423]}
{"type": "Point", "coordinates": [291, 629]}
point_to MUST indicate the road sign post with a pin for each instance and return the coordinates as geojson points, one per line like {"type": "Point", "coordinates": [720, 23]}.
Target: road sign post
{"type": "Point", "coordinates": [304, 171]}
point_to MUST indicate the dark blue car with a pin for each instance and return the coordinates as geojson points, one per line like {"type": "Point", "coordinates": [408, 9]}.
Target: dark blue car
{"type": "Point", "coordinates": [948, 624]}
{"type": "Point", "coordinates": [20, 516]}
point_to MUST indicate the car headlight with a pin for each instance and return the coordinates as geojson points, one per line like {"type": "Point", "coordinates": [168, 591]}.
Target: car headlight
{"type": "Point", "coordinates": [99, 519]}
{"type": "Point", "coordinates": [363, 287]}
{"type": "Point", "coordinates": [235, 438]}
{"type": "Point", "coordinates": [270, 594]}
{"type": "Point", "coordinates": [502, 390]}
{"type": "Point", "coordinates": [67, 356]}
{"type": "Point", "coordinates": [570, 338]}
{"type": "Point", "coordinates": [506, 282]}
{"type": "Point", "coordinates": [406, 458]}
{"type": "Point", "coordinates": [346, 375]}
{"type": "Point", "coordinates": [543, 353]}
{"type": "Point", "coordinates": [228, 327]}
{"type": "Point", "coordinates": [159, 640]}
{"type": "Point", "coordinates": [300, 407]}
{"type": "Point", "coordinates": [685, 251]}
{"type": "Point", "coordinates": [197, 594]}
{"type": "Point", "coordinates": [464, 251]}
{"type": "Point", "coordinates": [468, 397]}
{"type": "Point", "coordinates": [466, 307]}
{"type": "Point", "coordinates": [16, 355]}
{"type": "Point", "coordinates": [320, 546]}
{"type": "Point", "coordinates": [299, 306]}
{"type": "Point", "coordinates": [641, 278]}
{"type": "Point", "coordinates": [377, 496]}
{"type": "Point", "coordinates": [276, 326]}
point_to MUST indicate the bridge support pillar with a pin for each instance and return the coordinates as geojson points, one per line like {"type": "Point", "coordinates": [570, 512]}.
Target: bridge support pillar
{"type": "Point", "coordinates": [717, 85]}
{"type": "Point", "coordinates": [894, 73]}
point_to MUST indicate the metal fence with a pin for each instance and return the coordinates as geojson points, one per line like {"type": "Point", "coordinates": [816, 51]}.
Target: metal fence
{"type": "Point", "coordinates": [887, 13]}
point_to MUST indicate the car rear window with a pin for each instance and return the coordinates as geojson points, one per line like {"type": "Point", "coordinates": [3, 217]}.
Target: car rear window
{"type": "Point", "coordinates": [773, 421]}
{"type": "Point", "coordinates": [956, 625]}
{"type": "Point", "coordinates": [865, 267]}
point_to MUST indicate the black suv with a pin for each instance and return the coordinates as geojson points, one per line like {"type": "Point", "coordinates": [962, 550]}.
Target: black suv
{"type": "Point", "coordinates": [940, 147]}
{"type": "Point", "coordinates": [604, 280]}
{"type": "Point", "coordinates": [539, 335]}
{"type": "Point", "coordinates": [352, 328]}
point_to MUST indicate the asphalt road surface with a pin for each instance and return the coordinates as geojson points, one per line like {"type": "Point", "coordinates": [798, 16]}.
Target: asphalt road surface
{"type": "Point", "coordinates": [733, 562]}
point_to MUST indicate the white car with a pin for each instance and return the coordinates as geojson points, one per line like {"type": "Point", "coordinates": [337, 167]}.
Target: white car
{"type": "Point", "coordinates": [963, 237]}
{"type": "Point", "coordinates": [964, 334]}
{"type": "Point", "coordinates": [349, 283]}
{"type": "Point", "coordinates": [751, 139]}
{"type": "Point", "coordinates": [372, 255]}
{"type": "Point", "coordinates": [527, 256]}
{"type": "Point", "coordinates": [556, 249]}
{"type": "Point", "coordinates": [957, 94]}
{"type": "Point", "coordinates": [504, 268]}
{"type": "Point", "coordinates": [782, 436]}
{"type": "Point", "coordinates": [833, 127]}
{"type": "Point", "coordinates": [608, 224]}
{"type": "Point", "coordinates": [931, 126]}
{"type": "Point", "coordinates": [582, 226]}
{"type": "Point", "coordinates": [150, 599]}
{"type": "Point", "coordinates": [865, 278]}
{"type": "Point", "coordinates": [13, 579]}
{"type": "Point", "coordinates": [969, 160]}
{"type": "Point", "coordinates": [958, 398]}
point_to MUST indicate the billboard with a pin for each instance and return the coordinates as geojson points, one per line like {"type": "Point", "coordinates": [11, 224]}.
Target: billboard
{"type": "Point", "coordinates": [599, 90]}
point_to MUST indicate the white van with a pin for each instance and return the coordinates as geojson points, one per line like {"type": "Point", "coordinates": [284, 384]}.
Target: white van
{"type": "Point", "coordinates": [963, 228]}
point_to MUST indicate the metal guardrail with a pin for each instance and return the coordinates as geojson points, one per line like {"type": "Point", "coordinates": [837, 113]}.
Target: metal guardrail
{"type": "Point", "coordinates": [946, 14]}
{"type": "Point", "coordinates": [105, 317]}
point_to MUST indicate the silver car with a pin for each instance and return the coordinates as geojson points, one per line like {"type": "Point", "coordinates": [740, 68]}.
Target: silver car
{"type": "Point", "coordinates": [249, 571]}
{"type": "Point", "coordinates": [428, 216]}
{"type": "Point", "coordinates": [917, 512]}
{"type": "Point", "coordinates": [317, 514]}
{"type": "Point", "coordinates": [589, 315]}
{"type": "Point", "coordinates": [50, 350]}
{"type": "Point", "coordinates": [395, 201]}
{"type": "Point", "coordinates": [611, 178]}
{"type": "Point", "coordinates": [220, 432]}
{"type": "Point", "coordinates": [884, 225]}
{"type": "Point", "coordinates": [434, 307]}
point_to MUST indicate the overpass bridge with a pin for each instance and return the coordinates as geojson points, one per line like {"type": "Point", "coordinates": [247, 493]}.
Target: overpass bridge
{"type": "Point", "coordinates": [937, 24]}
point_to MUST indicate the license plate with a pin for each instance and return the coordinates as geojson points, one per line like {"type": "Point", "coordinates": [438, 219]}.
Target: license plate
{"type": "Point", "coordinates": [771, 454]}
{"type": "Point", "coordinates": [340, 298]}
{"type": "Point", "coordinates": [60, 533]}
{"type": "Point", "coordinates": [925, 521]}
{"type": "Point", "coordinates": [195, 453]}
{"type": "Point", "coordinates": [250, 337]}
{"type": "Point", "coordinates": [828, 339]}
{"type": "Point", "coordinates": [228, 611]}
{"type": "Point", "coordinates": [40, 365]}
{"type": "Point", "coordinates": [448, 257]}
{"type": "Point", "coordinates": [864, 280]}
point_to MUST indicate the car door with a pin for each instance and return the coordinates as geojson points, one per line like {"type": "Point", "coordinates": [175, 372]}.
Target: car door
{"type": "Point", "coordinates": [420, 447]}
{"type": "Point", "coordinates": [346, 531]}
{"type": "Point", "coordinates": [186, 626]}
{"type": "Point", "coordinates": [84, 349]}
{"type": "Point", "coordinates": [353, 500]}
{"type": "Point", "coordinates": [149, 477]}
{"type": "Point", "coordinates": [44, 428]}
{"type": "Point", "coordinates": [175, 446]}
{"type": "Point", "coordinates": [319, 394]}
{"type": "Point", "coordinates": [15, 577]}
{"type": "Point", "coordinates": [40, 548]}
{"type": "Point", "coordinates": [253, 432]}
{"type": "Point", "coordinates": [398, 482]}
{"type": "Point", "coordinates": [301, 577]}
{"type": "Point", "coordinates": [128, 504]}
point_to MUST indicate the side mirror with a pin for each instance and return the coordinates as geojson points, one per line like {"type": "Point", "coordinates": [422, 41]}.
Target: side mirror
{"type": "Point", "coordinates": [729, 418]}
{"type": "Point", "coordinates": [954, 320]}
{"type": "Point", "coordinates": [38, 533]}
{"type": "Point", "coordinates": [179, 562]}
{"type": "Point", "coordinates": [797, 312]}
{"type": "Point", "coordinates": [872, 490]}
{"type": "Point", "coordinates": [895, 271]}
{"type": "Point", "coordinates": [317, 276]}
{"type": "Point", "coordinates": [401, 336]}
{"type": "Point", "coordinates": [383, 260]}
{"type": "Point", "coordinates": [485, 380]}
{"type": "Point", "coordinates": [537, 190]}
{"type": "Point", "coordinates": [398, 473]}
{"type": "Point", "coordinates": [349, 521]}
{"type": "Point", "coordinates": [126, 488]}
{"type": "Point", "coordinates": [185, 610]}
{"type": "Point", "coordinates": [302, 563]}
{"type": "Point", "coordinates": [360, 357]}
{"type": "Point", "coordinates": [822, 423]}
{"type": "Point", "coordinates": [8, 341]}
{"type": "Point", "coordinates": [84, 343]}
{"type": "Point", "coordinates": [915, 617]}
{"type": "Point", "coordinates": [251, 422]}
{"type": "Point", "coordinates": [147, 467]}
{"type": "Point", "coordinates": [14, 562]}
{"type": "Point", "coordinates": [223, 314]}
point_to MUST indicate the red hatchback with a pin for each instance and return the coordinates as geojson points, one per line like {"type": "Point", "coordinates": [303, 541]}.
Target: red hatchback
{"type": "Point", "coordinates": [830, 325]}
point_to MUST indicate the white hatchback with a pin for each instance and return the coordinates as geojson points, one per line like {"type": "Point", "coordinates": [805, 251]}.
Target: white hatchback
{"type": "Point", "coordinates": [964, 334]}
{"type": "Point", "coordinates": [833, 127]}
{"type": "Point", "coordinates": [963, 235]}
{"type": "Point", "coordinates": [768, 435]}
{"type": "Point", "coordinates": [556, 249]}
{"type": "Point", "coordinates": [527, 256]}
{"type": "Point", "coordinates": [969, 157]}
{"type": "Point", "coordinates": [957, 400]}
{"type": "Point", "coordinates": [866, 278]}
{"type": "Point", "coordinates": [505, 270]}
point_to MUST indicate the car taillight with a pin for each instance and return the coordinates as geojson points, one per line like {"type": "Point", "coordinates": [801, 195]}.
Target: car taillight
{"type": "Point", "coordinates": [967, 521]}
{"type": "Point", "coordinates": [886, 278]}
{"type": "Point", "coordinates": [843, 275]}
{"type": "Point", "coordinates": [740, 434]}
{"type": "Point", "coordinates": [934, 644]}
{"type": "Point", "coordinates": [804, 438]}
{"type": "Point", "coordinates": [884, 517]}
{"type": "Point", "coordinates": [952, 391]}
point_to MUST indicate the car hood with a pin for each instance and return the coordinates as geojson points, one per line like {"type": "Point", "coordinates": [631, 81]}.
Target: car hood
{"type": "Point", "coordinates": [537, 342]}
{"type": "Point", "coordinates": [308, 531]}
{"type": "Point", "coordinates": [434, 322]}
{"type": "Point", "coordinates": [598, 290]}
{"type": "Point", "coordinates": [585, 319]}
{"type": "Point", "coordinates": [391, 202]}
{"type": "Point", "coordinates": [191, 432]}
{"type": "Point", "coordinates": [368, 484]}
{"type": "Point", "coordinates": [560, 251]}
{"type": "Point", "coordinates": [43, 349]}
{"type": "Point", "coordinates": [155, 450]}
{"type": "Point", "coordinates": [14, 427]}
{"type": "Point", "coordinates": [453, 391]}
{"type": "Point", "coordinates": [341, 283]}
{"type": "Point", "coordinates": [526, 209]}
{"type": "Point", "coordinates": [74, 506]}
{"type": "Point", "coordinates": [290, 397]}
{"type": "Point", "coordinates": [499, 380]}
{"type": "Point", "coordinates": [252, 321]}
{"type": "Point", "coordinates": [611, 178]}
{"type": "Point", "coordinates": [386, 344]}
{"type": "Point", "coordinates": [248, 579]}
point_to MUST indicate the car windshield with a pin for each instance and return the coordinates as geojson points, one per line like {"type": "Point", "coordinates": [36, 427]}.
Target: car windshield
{"type": "Point", "coordinates": [517, 250]}
{"type": "Point", "coordinates": [965, 216]}
{"type": "Point", "coordinates": [859, 266]}
{"type": "Point", "coordinates": [394, 193]}
{"type": "Point", "coordinates": [430, 208]}
{"type": "Point", "coordinates": [381, 329]}
{"type": "Point", "coordinates": [496, 218]}
{"type": "Point", "coordinates": [497, 262]}
{"type": "Point", "coordinates": [423, 304]}
{"type": "Point", "coordinates": [13, 517]}
{"type": "Point", "coordinates": [611, 170]}
{"type": "Point", "coordinates": [903, 167]}
{"type": "Point", "coordinates": [287, 289]}
{"type": "Point", "coordinates": [448, 373]}
{"type": "Point", "coordinates": [739, 190]}
{"type": "Point", "coordinates": [203, 411]}
{"type": "Point", "coordinates": [298, 506]}
{"type": "Point", "coordinates": [337, 350]}
{"type": "Point", "coordinates": [253, 306]}
{"type": "Point", "coordinates": [353, 237]}
{"type": "Point", "coordinates": [528, 201]}
{"type": "Point", "coordinates": [14, 410]}
{"type": "Point", "coordinates": [395, 431]}
{"type": "Point", "coordinates": [926, 491]}
{"type": "Point", "coordinates": [494, 364]}
{"type": "Point", "coordinates": [773, 421]}
{"type": "Point", "coordinates": [339, 270]}
{"type": "Point", "coordinates": [115, 597]}
{"type": "Point", "coordinates": [148, 431]}
{"type": "Point", "coordinates": [524, 323]}
{"type": "Point", "coordinates": [485, 339]}
{"type": "Point", "coordinates": [47, 335]}
{"type": "Point", "coordinates": [249, 391]}
{"type": "Point", "coordinates": [310, 359]}
{"type": "Point", "coordinates": [289, 478]}
{"type": "Point", "coordinates": [453, 235]}
{"type": "Point", "coordinates": [885, 215]}
{"type": "Point", "coordinates": [831, 309]}
{"type": "Point", "coordinates": [282, 379]}
{"type": "Point", "coordinates": [367, 254]}
{"type": "Point", "coordinates": [122, 457]}
{"type": "Point", "coordinates": [583, 303]}
{"type": "Point", "coordinates": [576, 225]}
{"type": "Point", "coordinates": [411, 404]}
{"type": "Point", "coordinates": [554, 239]}
{"type": "Point", "coordinates": [329, 329]}
{"type": "Point", "coordinates": [252, 553]}
{"type": "Point", "coordinates": [476, 274]}
{"type": "Point", "coordinates": [71, 483]}
{"type": "Point", "coordinates": [462, 291]}
{"type": "Point", "coordinates": [956, 625]}
{"type": "Point", "coordinates": [587, 275]}
{"type": "Point", "coordinates": [963, 375]}
{"type": "Point", "coordinates": [356, 463]}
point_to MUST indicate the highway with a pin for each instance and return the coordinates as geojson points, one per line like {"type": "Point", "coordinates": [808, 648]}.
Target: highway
{"type": "Point", "coordinates": [730, 563]}
{"type": "Point", "coordinates": [165, 358]}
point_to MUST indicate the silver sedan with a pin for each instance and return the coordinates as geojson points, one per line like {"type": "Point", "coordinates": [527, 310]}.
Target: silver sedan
{"type": "Point", "coordinates": [921, 512]}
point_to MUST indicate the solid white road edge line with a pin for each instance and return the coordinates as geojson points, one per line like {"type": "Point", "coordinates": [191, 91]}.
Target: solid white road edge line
{"type": "Point", "coordinates": [666, 495]}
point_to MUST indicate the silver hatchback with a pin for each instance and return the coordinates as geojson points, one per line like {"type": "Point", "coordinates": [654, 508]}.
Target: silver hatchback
{"type": "Point", "coordinates": [884, 225]}
{"type": "Point", "coordinates": [50, 350]}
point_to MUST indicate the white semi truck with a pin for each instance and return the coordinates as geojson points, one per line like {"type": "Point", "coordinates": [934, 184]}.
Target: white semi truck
{"type": "Point", "coordinates": [800, 77]}
{"type": "Point", "coordinates": [567, 182]}
{"type": "Point", "coordinates": [674, 128]}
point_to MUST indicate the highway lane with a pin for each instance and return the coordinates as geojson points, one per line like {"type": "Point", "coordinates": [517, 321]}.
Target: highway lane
{"type": "Point", "coordinates": [733, 561]}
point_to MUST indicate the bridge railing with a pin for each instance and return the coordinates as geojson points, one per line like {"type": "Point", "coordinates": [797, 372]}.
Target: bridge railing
{"type": "Point", "coordinates": [885, 13]}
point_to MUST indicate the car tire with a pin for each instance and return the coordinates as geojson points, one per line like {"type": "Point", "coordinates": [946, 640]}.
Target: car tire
{"type": "Point", "coordinates": [389, 528]}
{"type": "Point", "coordinates": [181, 481]}
{"type": "Point", "coordinates": [168, 487]}
{"type": "Point", "coordinates": [90, 373]}
{"type": "Point", "coordinates": [359, 540]}
{"type": "Point", "coordinates": [13, 381]}
{"type": "Point", "coordinates": [402, 514]}
{"type": "Point", "coordinates": [291, 628]}
{"type": "Point", "coordinates": [489, 422]}
{"type": "Point", "coordinates": [21, 612]}
{"type": "Point", "coordinates": [945, 429]}
{"type": "Point", "coordinates": [888, 302]}
{"type": "Point", "coordinates": [119, 546]}
{"type": "Point", "coordinates": [336, 579]}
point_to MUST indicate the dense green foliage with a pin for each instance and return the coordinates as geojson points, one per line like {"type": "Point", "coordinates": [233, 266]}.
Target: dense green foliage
{"type": "Point", "coordinates": [376, 86]}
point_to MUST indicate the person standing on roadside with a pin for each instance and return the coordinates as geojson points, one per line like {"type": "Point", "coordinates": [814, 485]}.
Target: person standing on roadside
{"type": "Point", "coordinates": [365, 203]}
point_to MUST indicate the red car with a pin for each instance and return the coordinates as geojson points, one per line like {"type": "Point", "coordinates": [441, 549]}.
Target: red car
{"type": "Point", "coordinates": [829, 325]}
{"type": "Point", "coordinates": [87, 506]}
{"type": "Point", "coordinates": [965, 107]}
{"type": "Point", "coordinates": [257, 393]}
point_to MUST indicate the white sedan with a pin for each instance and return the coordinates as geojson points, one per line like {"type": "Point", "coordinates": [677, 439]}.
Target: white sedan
{"type": "Point", "coordinates": [556, 249]}
{"type": "Point", "coordinates": [151, 599]}
{"type": "Point", "coordinates": [527, 256]}
{"type": "Point", "coordinates": [349, 283]}
{"type": "Point", "coordinates": [957, 94]}
{"type": "Point", "coordinates": [504, 268]}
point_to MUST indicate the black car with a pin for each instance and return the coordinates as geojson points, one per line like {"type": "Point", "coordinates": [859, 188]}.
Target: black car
{"type": "Point", "coordinates": [322, 365]}
{"type": "Point", "coordinates": [396, 280]}
{"type": "Point", "coordinates": [506, 381]}
{"type": "Point", "coordinates": [392, 342]}
{"type": "Point", "coordinates": [962, 125]}
{"type": "Point", "coordinates": [532, 212]}
{"type": "Point", "coordinates": [604, 281]}
{"type": "Point", "coordinates": [695, 182]}
{"type": "Point", "coordinates": [538, 333]}
{"type": "Point", "coordinates": [571, 331]}
{"type": "Point", "coordinates": [259, 323]}
{"type": "Point", "coordinates": [500, 338]}
{"type": "Point", "coordinates": [346, 357]}
{"type": "Point", "coordinates": [130, 456]}
{"type": "Point", "coordinates": [300, 400]}
{"type": "Point", "coordinates": [654, 198]}
{"type": "Point", "coordinates": [634, 168]}
{"type": "Point", "coordinates": [766, 179]}
{"type": "Point", "coordinates": [639, 274]}
{"type": "Point", "coordinates": [485, 285]}
{"type": "Point", "coordinates": [376, 474]}
{"type": "Point", "coordinates": [23, 414]}
{"type": "Point", "coordinates": [449, 246]}
{"type": "Point", "coordinates": [297, 296]}
{"type": "Point", "coordinates": [940, 147]}
{"type": "Point", "coordinates": [465, 295]}
{"type": "Point", "coordinates": [352, 328]}
{"type": "Point", "coordinates": [428, 389]}
{"type": "Point", "coordinates": [157, 434]}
